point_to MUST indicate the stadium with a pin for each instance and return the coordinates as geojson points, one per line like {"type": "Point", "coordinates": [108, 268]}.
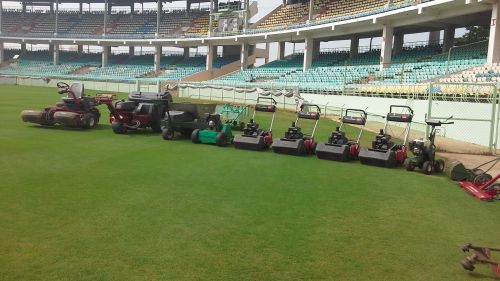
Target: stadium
{"type": "Point", "coordinates": [412, 83]}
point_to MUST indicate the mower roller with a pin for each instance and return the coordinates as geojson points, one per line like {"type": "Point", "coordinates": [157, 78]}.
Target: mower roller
{"type": "Point", "coordinates": [481, 255]}
{"type": "Point", "coordinates": [141, 110]}
{"type": "Point", "coordinates": [295, 141]}
{"type": "Point", "coordinates": [76, 109]}
{"type": "Point", "coordinates": [184, 118]}
{"type": "Point", "coordinates": [216, 132]}
{"type": "Point", "coordinates": [339, 147]}
{"type": "Point", "coordinates": [483, 190]}
{"type": "Point", "coordinates": [233, 115]}
{"type": "Point", "coordinates": [255, 138]}
{"type": "Point", "coordinates": [384, 152]}
{"type": "Point", "coordinates": [424, 156]}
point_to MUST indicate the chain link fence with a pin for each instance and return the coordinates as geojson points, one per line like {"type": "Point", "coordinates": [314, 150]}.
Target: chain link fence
{"type": "Point", "coordinates": [473, 107]}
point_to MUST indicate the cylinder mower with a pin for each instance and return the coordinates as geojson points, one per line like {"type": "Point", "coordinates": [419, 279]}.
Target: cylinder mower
{"type": "Point", "coordinates": [255, 138]}
{"type": "Point", "coordinates": [141, 110]}
{"type": "Point", "coordinates": [184, 118]}
{"type": "Point", "coordinates": [75, 110]}
{"type": "Point", "coordinates": [216, 132]}
{"type": "Point", "coordinates": [233, 115]}
{"type": "Point", "coordinates": [295, 141]}
{"type": "Point", "coordinates": [481, 255]}
{"type": "Point", "coordinates": [384, 151]}
{"type": "Point", "coordinates": [424, 156]}
{"type": "Point", "coordinates": [339, 147]}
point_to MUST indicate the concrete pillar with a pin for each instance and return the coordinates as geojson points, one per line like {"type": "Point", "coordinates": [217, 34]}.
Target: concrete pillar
{"type": "Point", "coordinates": [131, 51]}
{"type": "Point", "coordinates": [23, 48]}
{"type": "Point", "coordinates": [51, 49]}
{"type": "Point", "coordinates": [311, 11]}
{"type": "Point", "coordinates": [56, 54]}
{"type": "Point", "coordinates": [1, 14]}
{"type": "Point", "coordinates": [354, 46]}
{"type": "Point", "coordinates": [132, 10]}
{"type": "Point", "coordinates": [448, 38]}
{"type": "Point", "coordinates": [105, 23]}
{"type": "Point", "coordinates": [386, 52]}
{"type": "Point", "coordinates": [434, 37]}
{"type": "Point", "coordinates": [80, 49]}
{"type": "Point", "coordinates": [210, 57]}
{"type": "Point", "coordinates": [494, 41]}
{"type": "Point", "coordinates": [159, 7]}
{"type": "Point", "coordinates": [105, 55]}
{"type": "Point", "coordinates": [244, 56]}
{"type": "Point", "coordinates": [308, 53]}
{"type": "Point", "coordinates": [186, 52]}
{"type": "Point", "coordinates": [80, 7]}
{"type": "Point", "coordinates": [2, 54]}
{"type": "Point", "coordinates": [157, 58]}
{"type": "Point", "coordinates": [281, 50]}
{"type": "Point", "coordinates": [399, 40]}
{"type": "Point", "coordinates": [56, 28]}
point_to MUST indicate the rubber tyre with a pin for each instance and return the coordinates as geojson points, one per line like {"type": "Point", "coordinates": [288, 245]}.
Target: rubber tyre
{"type": "Point", "coordinates": [427, 168]}
{"type": "Point", "coordinates": [314, 145]}
{"type": "Point", "coordinates": [89, 121]}
{"type": "Point", "coordinates": [481, 177]}
{"type": "Point", "coordinates": [492, 188]}
{"type": "Point", "coordinates": [242, 126]}
{"type": "Point", "coordinates": [301, 149]}
{"type": "Point", "coordinates": [409, 165]}
{"type": "Point", "coordinates": [118, 127]}
{"type": "Point", "coordinates": [195, 136]}
{"type": "Point", "coordinates": [156, 127]}
{"type": "Point", "coordinates": [221, 139]}
{"type": "Point", "coordinates": [167, 134]}
{"type": "Point", "coordinates": [439, 166]}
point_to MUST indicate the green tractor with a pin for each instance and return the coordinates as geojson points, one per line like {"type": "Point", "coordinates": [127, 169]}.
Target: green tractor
{"type": "Point", "coordinates": [217, 132]}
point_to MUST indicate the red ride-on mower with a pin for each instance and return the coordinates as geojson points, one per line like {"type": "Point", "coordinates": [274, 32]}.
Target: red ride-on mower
{"type": "Point", "coordinates": [255, 138]}
{"type": "Point", "coordinates": [339, 147]}
{"type": "Point", "coordinates": [75, 110]}
{"type": "Point", "coordinates": [481, 255]}
{"type": "Point", "coordinates": [295, 142]}
{"type": "Point", "coordinates": [384, 151]}
{"type": "Point", "coordinates": [141, 110]}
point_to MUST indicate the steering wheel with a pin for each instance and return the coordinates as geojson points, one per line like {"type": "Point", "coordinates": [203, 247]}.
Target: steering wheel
{"type": "Point", "coordinates": [62, 85]}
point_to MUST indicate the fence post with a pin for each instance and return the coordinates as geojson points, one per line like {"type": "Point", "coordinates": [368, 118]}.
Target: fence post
{"type": "Point", "coordinates": [493, 123]}
{"type": "Point", "coordinates": [429, 109]}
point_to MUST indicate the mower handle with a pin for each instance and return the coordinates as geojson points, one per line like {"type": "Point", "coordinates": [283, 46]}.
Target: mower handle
{"type": "Point", "coordinates": [400, 106]}
{"type": "Point", "coordinates": [273, 101]}
{"type": "Point", "coordinates": [318, 109]}
{"type": "Point", "coordinates": [356, 110]}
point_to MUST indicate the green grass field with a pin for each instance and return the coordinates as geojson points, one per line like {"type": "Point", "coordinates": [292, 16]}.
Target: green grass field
{"type": "Point", "coordinates": [93, 205]}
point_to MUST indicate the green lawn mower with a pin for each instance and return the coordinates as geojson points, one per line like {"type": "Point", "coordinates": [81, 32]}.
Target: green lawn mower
{"type": "Point", "coordinates": [424, 156]}
{"type": "Point", "coordinates": [233, 115]}
{"type": "Point", "coordinates": [217, 132]}
{"type": "Point", "coordinates": [183, 118]}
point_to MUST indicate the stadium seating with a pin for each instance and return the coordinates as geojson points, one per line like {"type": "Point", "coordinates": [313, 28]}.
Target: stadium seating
{"type": "Point", "coordinates": [173, 23]}
{"type": "Point", "coordinates": [286, 15]}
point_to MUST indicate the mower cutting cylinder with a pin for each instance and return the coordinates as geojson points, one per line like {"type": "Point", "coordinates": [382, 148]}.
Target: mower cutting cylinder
{"type": "Point", "coordinates": [291, 147]}
{"type": "Point", "coordinates": [66, 118]}
{"type": "Point", "coordinates": [250, 143]}
{"type": "Point", "coordinates": [33, 116]}
{"type": "Point", "coordinates": [377, 157]}
{"type": "Point", "coordinates": [333, 152]}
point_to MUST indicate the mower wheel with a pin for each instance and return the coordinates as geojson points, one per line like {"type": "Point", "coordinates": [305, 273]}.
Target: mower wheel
{"type": "Point", "coordinates": [221, 139]}
{"type": "Point", "coordinates": [167, 134]}
{"type": "Point", "coordinates": [427, 167]}
{"type": "Point", "coordinates": [195, 136]}
{"type": "Point", "coordinates": [439, 166]}
{"type": "Point", "coordinates": [494, 190]}
{"type": "Point", "coordinates": [480, 176]}
{"type": "Point", "coordinates": [468, 265]}
{"type": "Point", "coordinates": [156, 127]}
{"type": "Point", "coordinates": [118, 127]}
{"type": "Point", "coordinates": [313, 149]}
{"type": "Point", "coordinates": [89, 121]}
{"type": "Point", "coordinates": [409, 165]}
